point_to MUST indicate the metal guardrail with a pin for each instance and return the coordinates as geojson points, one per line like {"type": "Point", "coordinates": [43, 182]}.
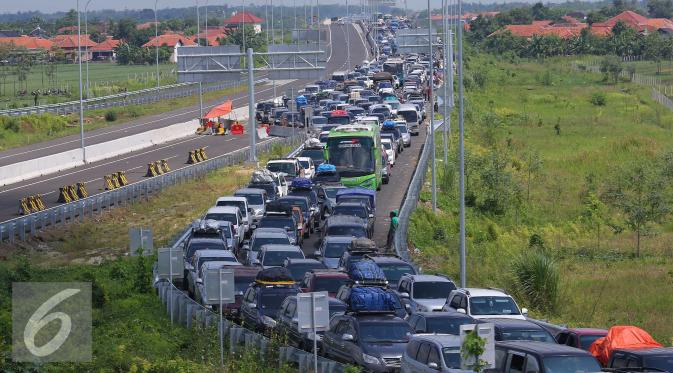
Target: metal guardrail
{"type": "Point", "coordinates": [29, 225]}
{"type": "Point", "coordinates": [192, 315]}
{"type": "Point", "coordinates": [411, 198]}
{"type": "Point", "coordinates": [140, 97]}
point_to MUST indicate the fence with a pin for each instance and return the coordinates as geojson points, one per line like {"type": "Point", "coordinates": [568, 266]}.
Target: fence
{"type": "Point", "coordinates": [192, 315]}
{"type": "Point", "coordinates": [411, 197]}
{"type": "Point", "coordinates": [140, 97]}
{"type": "Point", "coordinates": [658, 84]}
{"type": "Point", "coordinates": [29, 225]}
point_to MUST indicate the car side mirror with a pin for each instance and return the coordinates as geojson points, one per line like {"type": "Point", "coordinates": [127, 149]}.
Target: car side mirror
{"type": "Point", "coordinates": [433, 365]}
{"type": "Point", "coordinates": [250, 210]}
{"type": "Point", "coordinates": [524, 311]}
{"type": "Point", "coordinates": [256, 262]}
{"type": "Point", "coordinates": [461, 310]}
{"type": "Point", "coordinates": [371, 216]}
{"type": "Point", "coordinates": [268, 201]}
{"type": "Point", "coordinates": [347, 337]}
{"type": "Point", "coordinates": [404, 295]}
{"type": "Point", "coordinates": [252, 305]}
{"type": "Point", "coordinates": [199, 281]}
{"type": "Point", "coordinates": [317, 254]}
{"type": "Point", "coordinates": [295, 319]}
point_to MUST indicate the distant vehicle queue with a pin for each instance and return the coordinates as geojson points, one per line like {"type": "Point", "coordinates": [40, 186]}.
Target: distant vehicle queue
{"type": "Point", "coordinates": [385, 316]}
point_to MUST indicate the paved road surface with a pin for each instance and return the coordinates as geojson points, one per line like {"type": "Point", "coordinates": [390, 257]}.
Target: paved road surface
{"type": "Point", "coordinates": [175, 152]}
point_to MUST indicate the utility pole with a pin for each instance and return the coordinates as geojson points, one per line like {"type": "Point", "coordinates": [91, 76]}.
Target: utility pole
{"type": "Point", "coordinates": [463, 261]}
{"type": "Point", "coordinates": [448, 71]}
{"type": "Point", "coordinates": [251, 108]}
{"type": "Point", "coordinates": [348, 38]}
{"type": "Point", "coordinates": [86, 47]}
{"type": "Point", "coordinates": [81, 94]}
{"type": "Point", "coordinates": [432, 113]}
{"type": "Point", "coordinates": [198, 23]}
{"type": "Point", "coordinates": [156, 42]}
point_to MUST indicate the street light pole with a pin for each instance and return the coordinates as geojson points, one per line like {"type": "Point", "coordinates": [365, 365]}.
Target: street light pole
{"type": "Point", "coordinates": [198, 24]}
{"type": "Point", "coordinates": [463, 261]}
{"type": "Point", "coordinates": [251, 108]}
{"type": "Point", "coordinates": [432, 113]}
{"type": "Point", "coordinates": [156, 41]}
{"type": "Point", "coordinates": [207, 42]}
{"type": "Point", "coordinates": [86, 47]}
{"type": "Point", "coordinates": [81, 95]}
{"type": "Point", "coordinates": [348, 37]}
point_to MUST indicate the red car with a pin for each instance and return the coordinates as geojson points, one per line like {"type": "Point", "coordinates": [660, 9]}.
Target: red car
{"type": "Point", "coordinates": [324, 280]}
{"type": "Point", "coordinates": [580, 337]}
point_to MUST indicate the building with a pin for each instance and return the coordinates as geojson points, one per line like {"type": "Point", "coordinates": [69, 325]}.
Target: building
{"type": "Point", "coordinates": [146, 25]}
{"type": "Point", "coordinates": [37, 48]}
{"type": "Point", "coordinates": [171, 40]}
{"type": "Point", "coordinates": [244, 18]}
{"type": "Point", "coordinates": [214, 33]}
{"type": "Point", "coordinates": [69, 44]}
{"type": "Point", "coordinates": [105, 51]}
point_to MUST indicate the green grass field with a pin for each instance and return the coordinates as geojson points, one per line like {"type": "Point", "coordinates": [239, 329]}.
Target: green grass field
{"type": "Point", "coordinates": [104, 79]}
{"type": "Point", "coordinates": [525, 116]}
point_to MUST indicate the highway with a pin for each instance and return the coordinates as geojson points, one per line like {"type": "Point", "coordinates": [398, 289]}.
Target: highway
{"type": "Point", "coordinates": [175, 152]}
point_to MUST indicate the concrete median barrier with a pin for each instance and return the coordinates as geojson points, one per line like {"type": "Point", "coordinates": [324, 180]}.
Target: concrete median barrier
{"type": "Point", "coordinates": [31, 168]}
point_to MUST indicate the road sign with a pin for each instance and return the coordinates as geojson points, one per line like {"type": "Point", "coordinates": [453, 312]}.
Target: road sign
{"type": "Point", "coordinates": [140, 241]}
{"type": "Point", "coordinates": [485, 331]}
{"type": "Point", "coordinates": [208, 64]}
{"type": "Point", "coordinates": [169, 263]}
{"type": "Point", "coordinates": [313, 311]}
{"type": "Point", "coordinates": [218, 284]}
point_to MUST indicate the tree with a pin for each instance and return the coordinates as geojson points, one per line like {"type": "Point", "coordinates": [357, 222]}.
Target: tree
{"type": "Point", "coordinates": [640, 193]}
{"type": "Point", "coordinates": [252, 40]}
{"type": "Point", "coordinates": [24, 63]}
{"type": "Point", "coordinates": [533, 171]}
{"type": "Point", "coordinates": [654, 48]}
{"type": "Point", "coordinates": [611, 67]}
{"type": "Point", "coordinates": [540, 12]}
{"type": "Point", "coordinates": [125, 29]}
{"type": "Point", "coordinates": [473, 347]}
{"type": "Point", "coordinates": [660, 8]}
{"type": "Point", "coordinates": [594, 214]}
{"type": "Point", "coordinates": [481, 27]}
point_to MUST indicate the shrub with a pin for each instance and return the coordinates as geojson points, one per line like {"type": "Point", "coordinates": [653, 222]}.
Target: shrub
{"type": "Point", "coordinates": [536, 278]}
{"type": "Point", "coordinates": [111, 116]}
{"type": "Point", "coordinates": [12, 124]}
{"type": "Point", "coordinates": [598, 99]}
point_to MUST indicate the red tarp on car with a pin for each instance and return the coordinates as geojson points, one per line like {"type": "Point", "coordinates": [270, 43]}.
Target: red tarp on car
{"type": "Point", "coordinates": [219, 110]}
{"type": "Point", "coordinates": [621, 337]}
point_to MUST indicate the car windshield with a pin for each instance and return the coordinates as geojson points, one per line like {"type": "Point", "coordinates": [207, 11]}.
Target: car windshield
{"type": "Point", "coordinates": [387, 145]}
{"type": "Point", "coordinates": [297, 271]}
{"type": "Point", "coordinates": [304, 164]}
{"type": "Point", "coordinates": [239, 204]}
{"type": "Point", "coordinates": [209, 245]}
{"type": "Point", "coordinates": [242, 283]}
{"type": "Point", "coordinates": [332, 192]}
{"type": "Point", "coordinates": [408, 115]}
{"type": "Point", "coordinates": [452, 357]}
{"type": "Point", "coordinates": [588, 340]}
{"type": "Point", "coordinates": [433, 289]}
{"type": "Point", "coordinates": [446, 325]}
{"type": "Point", "coordinates": [276, 258]}
{"type": "Point", "coordinates": [346, 230]}
{"type": "Point", "coordinates": [664, 363]}
{"type": "Point", "coordinates": [215, 259]}
{"type": "Point", "coordinates": [493, 306]}
{"type": "Point", "coordinates": [283, 223]}
{"type": "Point", "coordinates": [394, 272]}
{"type": "Point", "coordinates": [402, 129]}
{"type": "Point", "coordinates": [570, 364]}
{"type": "Point", "coordinates": [358, 211]}
{"type": "Point", "coordinates": [260, 241]}
{"type": "Point", "coordinates": [286, 167]}
{"type": "Point", "coordinates": [319, 120]}
{"type": "Point", "coordinates": [385, 332]}
{"type": "Point", "coordinates": [330, 285]}
{"type": "Point", "coordinates": [271, 300]}
{"type": "Point", "coordinates": [335, 249]}
{"type": "Point", "coordinates": [352, 156]}
{"type": "Point", "coordinates": [301, 202]}
{"type": "Point", "coordinates": [527, 335]}
{"type": "Point", "coordinates": [339, 120]}
{"type": "Point", "coordinates": [222, 217]}
{"type": "Point", "coordinates": [315, 154]}
{"type": "Point", "coordinates": [253, 199]}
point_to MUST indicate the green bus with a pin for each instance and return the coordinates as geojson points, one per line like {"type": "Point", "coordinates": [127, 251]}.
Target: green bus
{"type": "Point", "coordinates": [355, 151]}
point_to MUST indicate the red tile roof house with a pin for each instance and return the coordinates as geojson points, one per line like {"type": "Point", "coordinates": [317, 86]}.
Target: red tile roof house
{"type": "Point", "coordinates": [245, 18]}
{"type": "Point", "coordinates": [105, 51]}
{"type": "Point", "coordinates": [69, 45]}
{"type": "Point", "coordinates": [33, 45]}
{"type": "Point", "coordinates": [170, 40]}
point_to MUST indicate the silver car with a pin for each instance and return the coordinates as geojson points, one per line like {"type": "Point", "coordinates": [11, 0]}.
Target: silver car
{"type": "Point", "coordinates": [406, 136]}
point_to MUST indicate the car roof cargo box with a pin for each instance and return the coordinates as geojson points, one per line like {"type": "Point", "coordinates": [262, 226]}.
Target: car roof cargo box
{"type": "Point", "coordinates": [382, 76]}
{"type": "Point", "coordinates": [276, 207]}
{"type": "Point", "coordinates": [621, 337]}
{"type": "Point", "coordinates": [261, 176]}
{"type": "Point", "coordinates": [366, 272]}
{"type": "Point", "coordinates": [301, 183]}
{"type": "Point", "coordinates": [274, 276]}
{"type": "Point", "coordinates": [363, 244]}
{"type": "Point", "coordinates": [371, 299]}
{"type": "Point", "coordinates": [326, 168]}
{"type": "Point", "coordinates": [313, 143]}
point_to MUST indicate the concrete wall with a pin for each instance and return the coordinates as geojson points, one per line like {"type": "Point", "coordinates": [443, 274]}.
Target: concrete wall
{"type": "Point", "coordinates": [31, 168]}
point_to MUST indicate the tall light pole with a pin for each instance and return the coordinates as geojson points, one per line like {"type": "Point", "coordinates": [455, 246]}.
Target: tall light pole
{"type": "Point", "coordinates": [243, 24]}
{"type": "Point", "coordinates": [156, 42]}
{"type": "Point", "coordinates": [86, 47]}
{"type": "Point", "coordinates": [348, 38]}
{"type": "Point", "coordinates": [198, 23]}
{"type": "Point", "coordinates": [207, 43]}
{"type": "Point", "coordinates": [447, 72]}
{"type": "Point", "coordinates": [461, 146]}
{"type": "Point", "coordinates": [81, 98]}
{"type": "Point", "coordinates": [432, 112]}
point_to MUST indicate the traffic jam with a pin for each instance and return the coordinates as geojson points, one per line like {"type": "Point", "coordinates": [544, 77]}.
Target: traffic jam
{"type": "Point", "coordinates": [306, 223]}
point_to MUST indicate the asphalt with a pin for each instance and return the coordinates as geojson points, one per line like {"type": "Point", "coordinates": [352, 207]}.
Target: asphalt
{"type": "Point", "coordinates": [175, 152]}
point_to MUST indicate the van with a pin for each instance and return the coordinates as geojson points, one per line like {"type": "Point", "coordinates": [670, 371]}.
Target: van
{"type": "Point", "coordinates": [410, 115]}
{"type": "Point", "coordinates": [339, 76]}
{"type": "Point", "coordinates": [535, 357]}
{"type": "Point", "coordinates": [242, 204]}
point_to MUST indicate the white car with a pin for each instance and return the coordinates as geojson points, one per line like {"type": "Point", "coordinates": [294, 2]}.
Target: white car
{"type": "Point", "coordinates": [308, 166]}
{"type": "Point", "coordinates": [242, 204]}
{"type": "Point", "coordinates": [481, 303]}
{"type": "Point", "coordinates": [390, 150]}
{"type": "Point", "coordinates": [231, 214]}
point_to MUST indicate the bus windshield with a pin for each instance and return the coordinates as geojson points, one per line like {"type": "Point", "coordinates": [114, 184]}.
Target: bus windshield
{"type": "Point", "coordinates": [339, 120]}
{"type": "Point", "coordinates": [352, 156]}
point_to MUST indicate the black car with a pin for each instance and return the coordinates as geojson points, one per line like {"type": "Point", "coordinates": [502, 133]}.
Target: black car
{"type": "Point", "coordinates": [284, 221]}
{"type": "Point", "coordinates": [314, 203]}
{"type": "Point", "coordinates": [646, 358]}
{"type": "Point", "coordinates": [305, 205]}
{"type": "Point", "coordinates": [393, 266]}
{"type": "Point", "coordinates": [299, 267]}
{"type": "Point", "coordinates": [374, 341]}
{"type": "Point", "coordinates": [288, 319]}
{"type": "Point", "coordinates": [344, 226]}
{"type": "Point", "coordinates": [438, 322]}
{"type": "Point", "coordinates": [358, 210]}
{"type": "Point", "coordinates": [519, 330]}
{"type": "Point", "coordinates": [261, 304]}
{"type": "Point", "coordinates": [530, 356]}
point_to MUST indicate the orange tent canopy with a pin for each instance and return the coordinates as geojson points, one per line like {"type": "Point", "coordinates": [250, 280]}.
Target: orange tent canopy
{"type": "Point", "coordinates": [621, 337]}
{"type": "Point", "coordinates": [219, 110]}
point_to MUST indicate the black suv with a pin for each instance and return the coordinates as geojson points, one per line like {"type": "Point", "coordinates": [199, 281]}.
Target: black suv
{"type": "Point", "coordinates": [261, 305]}
{"type": "Point", "coordinates": [358, 210]}
{"type": "Point", "coordinates": [393, 266]}
{"type": "Point", "coordinates": [342, 225]}
{"type": "Point", "coordinates": [529, 356]}
{"type": "Point", "coordinates": [375, 341]}
{"type": "Point", "coordinates": [438, 322]}
{"type": "Point", "coordinates": [647, 358]}
{"type": "Point", "coordinates": [287, 323]}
